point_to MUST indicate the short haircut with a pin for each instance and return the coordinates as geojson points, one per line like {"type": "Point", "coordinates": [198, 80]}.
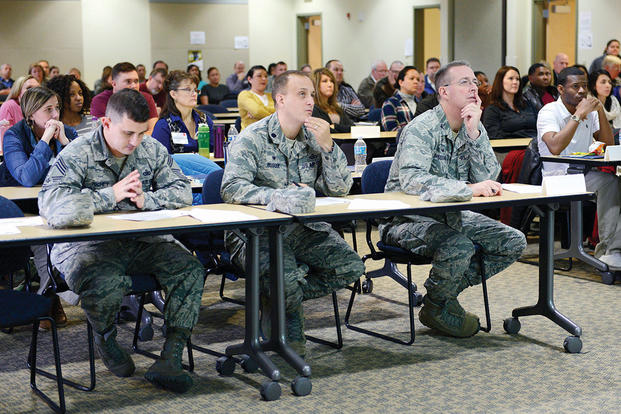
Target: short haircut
{"type": "Point", "coordinates": [611, 60]}
{"type": "Point", "coordinates": [431, 59]}
{"type": "Point", "coordinates": [279, 86]}
{"type": "Point", "coordinates": [74, 70]}
{"type": "Point", "coordinates": [130, 103]}
{"type": "Point", "coordinates": [253, 69]}
{"type": "Point", "coordinates": [402, 74]}
{"type": "Point", "coordinates": [306, 66]}
{"type": "Point", "coordinates": [375, 64]}
{"type": "Point", "coordinates": [122, 67]}
{"type": "Point", "coordinates": [140, 65]}
{"type": "Point", "coordinates": [281, 63]}
{"type": "Point", "coordinates": [443, 73]}
{"type": "Point", "coordinates": [160, 61]}
{"type": "Point", "coordinates": [211, 69]}
{"type": "Point", "coordinates": [33, 99]}
{"type": "Point", "coordinates": [158, 71]}
{"type": "Point", "coordinates": [397, 62]}
{"type": "Point", "coordinates": [328, 63]}
{"type": "Point", "coordinates": [533, 68]}
{"type": "Point", "coordinates": [565, 73]}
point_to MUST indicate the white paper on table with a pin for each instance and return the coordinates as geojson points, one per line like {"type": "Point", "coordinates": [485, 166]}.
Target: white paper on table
{"type": "Point", "coordinates": [150, 215]}
{"type": "Point", "coordinates": [328, 201]}
{"type": "Point", "coordinates": [23, 221]}
{"type": "Point", "coordinates": [7, 228]}
{"type": "Point", "coordinates": [523, 188]}
{"type": "Point", "coordinates": [366, 204]}
{"type": "Point", "coordinates": [219, 216]}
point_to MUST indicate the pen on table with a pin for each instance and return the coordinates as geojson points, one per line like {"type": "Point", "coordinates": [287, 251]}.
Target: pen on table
{"type": "Point", "coordinates": [296, 184]}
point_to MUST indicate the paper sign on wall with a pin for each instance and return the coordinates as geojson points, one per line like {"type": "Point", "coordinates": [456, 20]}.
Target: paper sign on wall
{"type": "Point", "coordinates": [197, 38]}
{"type": "Point", "coordinates": [241, 42]}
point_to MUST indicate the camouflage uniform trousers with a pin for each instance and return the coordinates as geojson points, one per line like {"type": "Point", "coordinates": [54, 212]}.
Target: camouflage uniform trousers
{"type": "Point", "coordinates": [315, 264]}
{"type": "Point", "coordinates": [454, 266]}
{"type": "Point", "coordinates": [98, 272]}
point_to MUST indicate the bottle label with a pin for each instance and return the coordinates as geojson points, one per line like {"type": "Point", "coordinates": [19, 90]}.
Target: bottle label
{"type": "Point", "coordinates": [360, 150]}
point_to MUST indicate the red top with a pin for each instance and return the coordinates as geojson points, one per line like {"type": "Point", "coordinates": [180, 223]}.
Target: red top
{"type": "Point", "coordinates": [99, 103]}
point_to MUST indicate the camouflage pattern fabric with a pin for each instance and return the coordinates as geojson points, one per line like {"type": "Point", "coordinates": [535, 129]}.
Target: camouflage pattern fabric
{"type": "Point", "coordinates": [434, 163]}
{"type": "Point", "coordinates": [79, 185]}
{"type": "Point", "coordinates": [292, 200]}
{"type": "Point", "coordinates": [261, 161]}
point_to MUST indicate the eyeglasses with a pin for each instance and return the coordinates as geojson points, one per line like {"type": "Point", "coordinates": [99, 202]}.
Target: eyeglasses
{"type": "Point", "coordinates": [188, 90]}
{"type": "Point", "coordinates": [465, 82]}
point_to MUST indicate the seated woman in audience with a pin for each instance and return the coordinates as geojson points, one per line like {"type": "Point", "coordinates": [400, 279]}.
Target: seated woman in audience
{"type": "Point", "coordinates": [54, 71]}
{"type": "Point", "coordinates": [600, 86]}
{"type": "Point", "coordinates": [103, 83]}
{"type": "Point", "coordinates": [612, 48]}
{"type": "Point", "coordinates": [508, 115]}
{"type": "Point", "coordinates": [177, 127]}
{"type": "Point", "coordinates": [195, 70]}
{"type": "Point", "coordinates": [326, 106]}
{"type": "Point", "coordinates": [10, 109]}
{"type": "Point", "coordinates": [214, 92]}
{"type": "Point", "coordinates": [37, 72]}
{"type": "Point", "coordinates": [484, 88]}
{"type": "Point", "coordinates": [400, 108]}
{"type": "Point", "coordinates": [75, 102]}
{"type": "Point", "coordinates": [255, 104]}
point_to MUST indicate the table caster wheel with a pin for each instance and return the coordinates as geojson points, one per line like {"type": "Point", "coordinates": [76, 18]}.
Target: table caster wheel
{"type": "Point", "coordinates": [248, 364]}
{"type": "Point", "coordinates": [417, 299]}
{"type": "Point", "coordinates": [608, 278]}
{"type": "Point", "coordinates": [367, 286]}
{"type": "Point", "coordinates": [572, 344]}
{"type": "Point", "coordinates": [512, 325]}
{"type": "Point", "coordinates": [301, 386]}
{"type": "Point", "coordinates": [225, 366]}
{"type": "Point", "coordinates": [145, 333]}
{"type": "Point", "coordinates": [270, 391]}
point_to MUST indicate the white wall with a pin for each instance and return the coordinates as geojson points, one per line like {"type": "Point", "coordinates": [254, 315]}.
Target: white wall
{"type": "Point", "coordinates": [606, 15]}
{"type": "Point", "coordinates": [519, 35]}
{"type": "Point", "coordinates": [114, 31]}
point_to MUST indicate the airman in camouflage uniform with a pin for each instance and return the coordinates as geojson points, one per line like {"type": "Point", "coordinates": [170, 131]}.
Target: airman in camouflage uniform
{"type": "Point", "coordinates": [113, 171]}
{"type": "Point", "coordinates": [267, 163]}
{"type": "Point", "coordinates": [445, 155]}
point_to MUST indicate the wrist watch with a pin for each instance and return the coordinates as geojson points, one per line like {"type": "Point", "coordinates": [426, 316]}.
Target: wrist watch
{"type": "Point", "coordinates": [575, 117]}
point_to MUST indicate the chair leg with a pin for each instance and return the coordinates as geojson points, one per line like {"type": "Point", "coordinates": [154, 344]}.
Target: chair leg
{"type": "Point", "coordinates": [337, 319]}
{"type": "Point", "coordinates": [91, 362]}
{"type": "Point", "coordinates": [189, 367]}
{"type": "Point", "coordinates": [485, 297]}
{"type": "Point", "coordinates": [226, 298]}
{"type": "Point", "coordinates": [32, 358]}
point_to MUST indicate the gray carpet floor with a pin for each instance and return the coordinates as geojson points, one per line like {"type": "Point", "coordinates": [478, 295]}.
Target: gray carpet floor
{"type": "Point", "coordinates": [489, 373]}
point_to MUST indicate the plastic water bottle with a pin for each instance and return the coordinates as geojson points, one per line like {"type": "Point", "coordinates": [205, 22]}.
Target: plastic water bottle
{"type": "Point", "coordinates": [232, 135]}
{"type": "Point", "coordinates": [203, 140]}
{"type": "Point", "coordinates": [360, 155]}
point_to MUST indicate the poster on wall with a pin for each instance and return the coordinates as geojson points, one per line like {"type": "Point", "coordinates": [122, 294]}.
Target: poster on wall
{"type": "Point", "coordinates": [195, 57]}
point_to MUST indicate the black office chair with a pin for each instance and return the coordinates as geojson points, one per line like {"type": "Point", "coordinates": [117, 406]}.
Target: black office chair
{"type": "Point", "coordinates": [374, 180]}
{"type": "Point", "coordinates": [229, 103]}
{"type": "Point", "coordinates": [212, 109]}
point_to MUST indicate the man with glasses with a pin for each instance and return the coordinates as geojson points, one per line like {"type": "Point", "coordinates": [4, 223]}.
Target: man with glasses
{"type": "Point", "coordinates": [445, 155]}
{"type": "Point", "coordinates": [568, 125]}
{"type": "Point", "coordinates": [379, 70]}
{"type": "Point", "coordinates": [124, 76]}
{"type": "Point", "coordinates": [155, 86]}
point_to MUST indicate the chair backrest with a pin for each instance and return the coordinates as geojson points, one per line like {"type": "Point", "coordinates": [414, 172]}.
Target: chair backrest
{"type": "Point", "coordinates": [374, 115]}
{"type": "Point", "coordinates": [9, 209]}
{"type": "Point", "coordinates": [211, 187]}
{"type": "Point", "coordinates": [229, 103]}
{"type": "Point", "coordinates": [212, 109]}
{"type": "Point", "coordinates": [238, 124]}
{"type": "Point", "coordinates": [348, 150]}
{"type": "Point", "coordinates": [374, 177]}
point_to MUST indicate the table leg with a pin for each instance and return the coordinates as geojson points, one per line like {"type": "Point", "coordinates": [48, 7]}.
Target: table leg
{"type": "Point", "coordinates": [545, 304]}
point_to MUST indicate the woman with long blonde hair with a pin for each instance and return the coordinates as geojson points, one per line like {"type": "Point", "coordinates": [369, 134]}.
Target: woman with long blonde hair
{"type": "Point", "coordinates": [326, 106]}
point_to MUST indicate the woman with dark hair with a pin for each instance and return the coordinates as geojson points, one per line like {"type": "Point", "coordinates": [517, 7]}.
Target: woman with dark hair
{"type": "Point", "coordinates": [255, 104]}
{"type": "Point", "coordinates": [612, 48]}
{"type": "Point", "coordinates": [75, 102]}
{"type": "Point", "coordinates": [196, 71]}
{"type": "Point", "coordinates": [213, 92]}
{"type": "Point", "coordinates": [508, 115]}
{"type": "Point", "coordinates": [326, 106]}
{"type": "Point", "coordinates": [177, 127]}
{"type": "Point", "coordinates": [103, 83]}
{"type": "Point", "coordinates": [600, 86]}
{"type": "Point", "coordinates": [38, 73]}
{"type": "Point", "coordinates": [399, 109]}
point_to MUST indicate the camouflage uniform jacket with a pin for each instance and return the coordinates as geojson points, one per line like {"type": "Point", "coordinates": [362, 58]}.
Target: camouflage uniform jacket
{"type": "Point", "coordinates": [433, 163]}
{"type": "Point", "coordinates": [262, 159]}
{"type": "Point", "coordinates": [79, 184]}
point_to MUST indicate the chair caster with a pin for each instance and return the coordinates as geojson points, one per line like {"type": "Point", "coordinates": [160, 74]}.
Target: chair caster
{"type": "Point", "coordinates": [145, 333]}
{"type": "Point", "coordinates": [225, 366]}
{"type": "Point", "coordinates": [248, 364]}
{"type": "Point", "coordinates": [511, 325]}
{"type": "Point", "coordinates": [270, 390]}
{"type": "Point", "coordinates": [608, 278]}
{"type": "Point", "coordinates": [367, 286]}
{"type": "Point", "coordinates": [301, 386]}
{"type": "Point", "coordinates": [417, 299]}
{"type": "Point", "coordinates": [572, 344]}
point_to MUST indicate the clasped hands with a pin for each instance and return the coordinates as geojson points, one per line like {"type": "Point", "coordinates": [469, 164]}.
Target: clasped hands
{"type": "Point", "coordinates": [130, 187]}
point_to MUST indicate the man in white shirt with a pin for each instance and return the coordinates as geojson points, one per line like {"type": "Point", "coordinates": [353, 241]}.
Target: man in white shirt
{"type": "Point", "coordinates": [568, 125]}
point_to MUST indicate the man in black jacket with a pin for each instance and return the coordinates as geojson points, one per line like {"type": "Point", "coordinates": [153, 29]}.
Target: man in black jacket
{"type": "Point", "coordinates": [540, 91]}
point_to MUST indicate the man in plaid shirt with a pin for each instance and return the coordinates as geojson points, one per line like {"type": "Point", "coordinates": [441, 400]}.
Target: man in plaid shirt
{"type": "Point", "coordinates": [347, 98]}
